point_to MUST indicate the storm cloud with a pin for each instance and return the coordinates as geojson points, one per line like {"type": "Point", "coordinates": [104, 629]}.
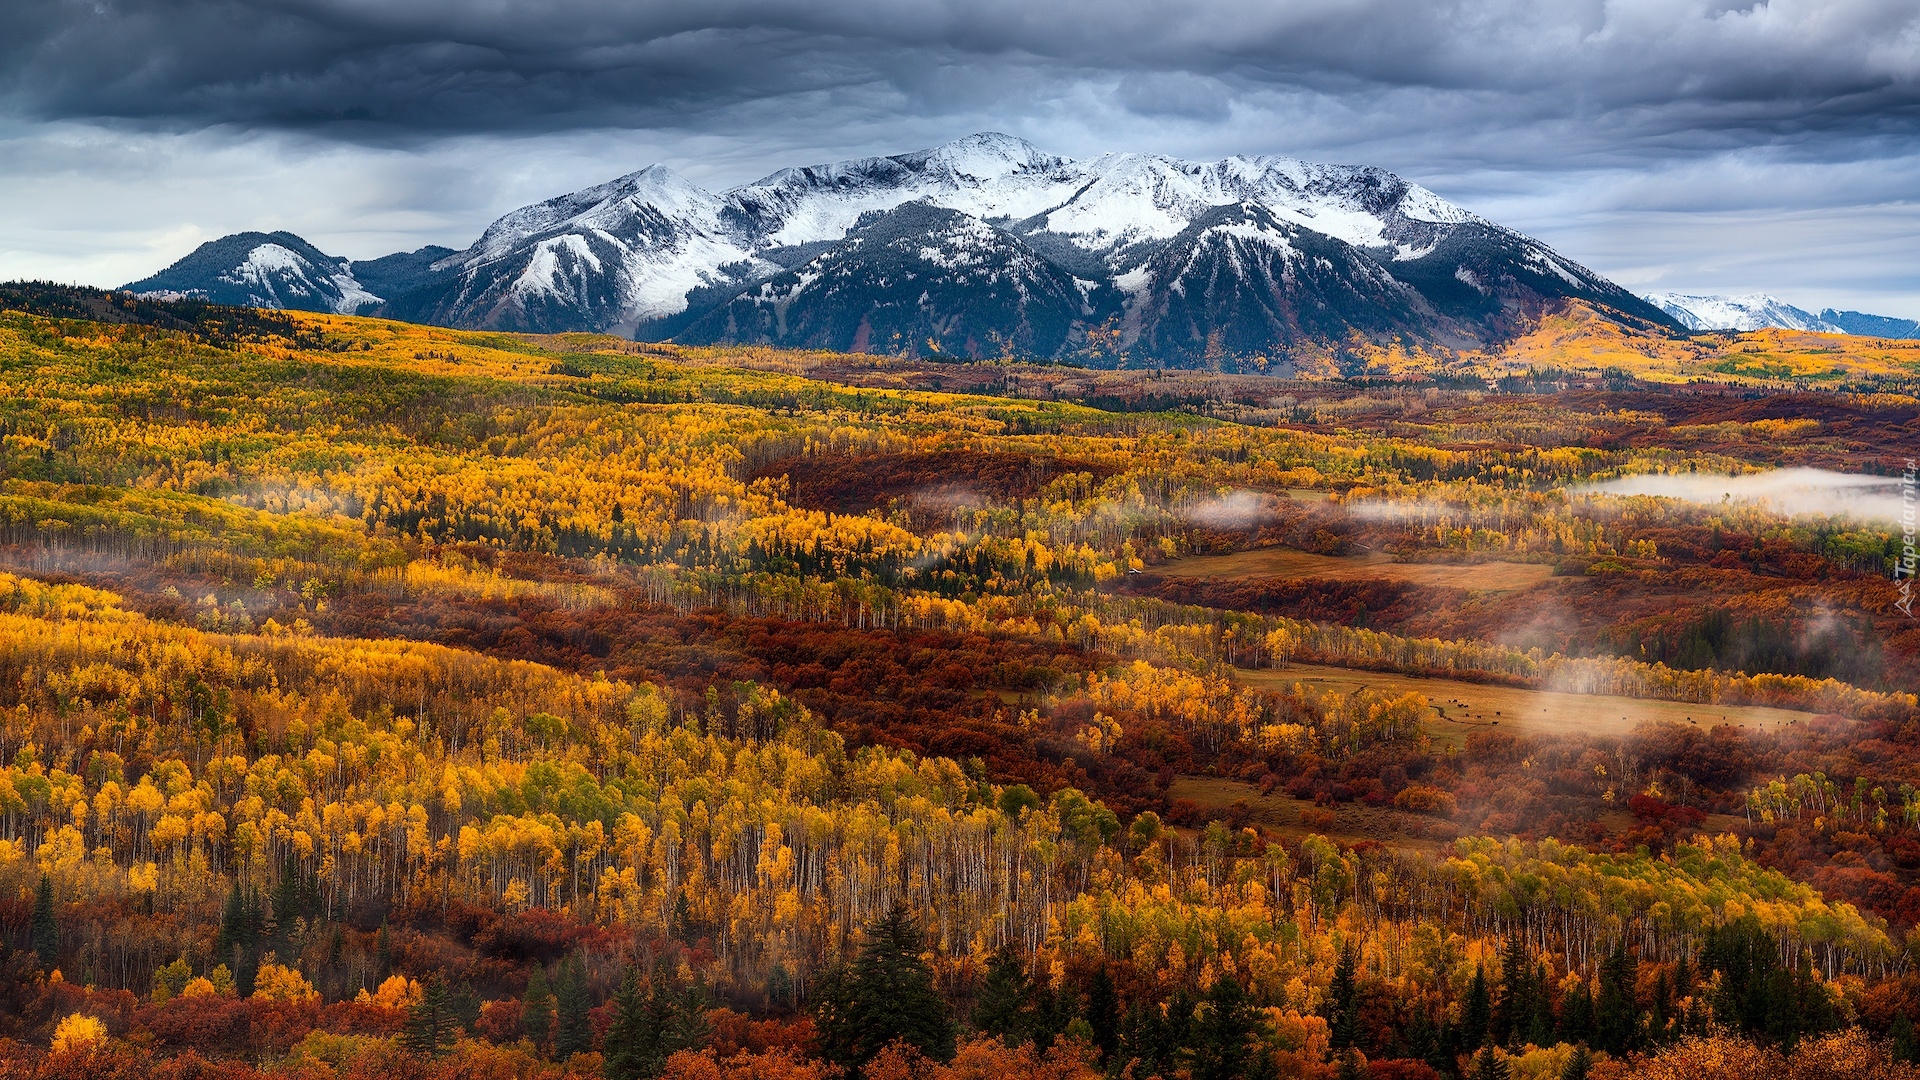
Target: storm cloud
{"type": "Point", "coordinates": [1641, 136]}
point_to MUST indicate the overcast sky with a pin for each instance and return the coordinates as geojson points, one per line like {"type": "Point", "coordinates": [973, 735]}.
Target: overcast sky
{"type": "Point", "coordinates": [1667, 143]}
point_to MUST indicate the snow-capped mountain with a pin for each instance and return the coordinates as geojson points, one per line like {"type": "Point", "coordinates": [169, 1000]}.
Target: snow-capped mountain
{"type": "Point", "coordinates": [1241, 281]}
{"type": "Point", "coordinates": [1755, 311]}
{"type": "Point", "coordinates": [1749, 312]}
{"type": "Point", "coordinates": [918, 277]}
{"type": "Point", "coordinates": [268, 270]}
{"type": "Point", "coordinates": [988, 243]}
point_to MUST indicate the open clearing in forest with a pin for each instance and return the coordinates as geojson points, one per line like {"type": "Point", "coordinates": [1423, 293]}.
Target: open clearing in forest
{"type": "Point", "coordinates": [1281, 814]}
{"type": "Point", "coordinates": [1461, 707]}
{"type": "Point", "coordinates": [1373, 566]}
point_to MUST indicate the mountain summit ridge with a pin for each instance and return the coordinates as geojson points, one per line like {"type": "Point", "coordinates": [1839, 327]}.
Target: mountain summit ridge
{"type": "Point", "coordinates": [1754, 311]}
{"type": "Point", "coordinates": [1314, 257]}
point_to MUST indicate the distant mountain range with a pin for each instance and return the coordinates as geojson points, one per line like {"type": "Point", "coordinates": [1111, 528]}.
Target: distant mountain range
{"type": "Point", "coordinates": [1756, 310]}
{"type": "Point", "coordinates": [984, 246]}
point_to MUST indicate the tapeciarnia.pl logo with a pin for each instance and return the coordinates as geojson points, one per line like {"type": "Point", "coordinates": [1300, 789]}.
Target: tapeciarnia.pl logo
{"type": "Point", "coordinates": [1904, 569]}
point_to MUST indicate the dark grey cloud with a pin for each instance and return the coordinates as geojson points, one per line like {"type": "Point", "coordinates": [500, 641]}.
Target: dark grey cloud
{"type": "Point", "coordinates": [1641, 71]}
{"type": "Point", "coordinates": [1628, 132]}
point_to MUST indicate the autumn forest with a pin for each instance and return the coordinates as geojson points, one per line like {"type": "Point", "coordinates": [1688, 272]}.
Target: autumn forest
{"type": "Point", "coordinates": [382, 700]}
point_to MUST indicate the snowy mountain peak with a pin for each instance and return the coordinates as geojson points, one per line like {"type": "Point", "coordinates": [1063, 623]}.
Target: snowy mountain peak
{"type": "Point", "coordinates": [988, 155]}
{"type": "Point", "coordinates": [270, 270]}
{"type": "Point", "coordinates": [655, 186]}
{"type": "Point", "coordinates": [1749, 312]}
{"type": "Point", "coordinates": [983, 244]}
{"type": "Point", "coordinates": [1754, 311]}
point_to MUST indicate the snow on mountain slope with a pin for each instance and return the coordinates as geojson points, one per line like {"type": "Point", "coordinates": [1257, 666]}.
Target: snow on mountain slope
{"type": "Point", "coordinates": [1755, 311]}
{"type": "Point", "coordinates": [268, 270]}
{"type": "Point", "coordinates": [1242, 281]}
{"type": "Point", "coordinates": [1749, 312]}
{"type": "Point", "coordinates": [650, 251]}
{"type": "Point", "coordinates": [608, 257]}
{"type": "Point", "coordinates": [651, 254]}
{"type": "Point", "coordinates": [1859, 322]}
{"type": "Point", "coordinates": [917, 277]}
{"type": "Point", "coordinates": [1102, 204]}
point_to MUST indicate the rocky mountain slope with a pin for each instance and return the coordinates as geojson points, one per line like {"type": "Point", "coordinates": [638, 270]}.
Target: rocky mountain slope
{"type": "Point", "coordinates": [989, 246]}
{"type": "Point", "coordinates": [263, 270]}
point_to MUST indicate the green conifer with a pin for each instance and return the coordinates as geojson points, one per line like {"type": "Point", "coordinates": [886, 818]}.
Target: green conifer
{"type": "Point", "coordinates": [1476, 1015]}
{"type": "Point", "coordinates": [1103, 1014]}
{"type": "Point", "coordinates": [45, 934]}
{"type": "Point", "coordinates": [886, 994]}
{"type": "Point", "coordinates": [1488, 1065]}
{"type": "Point", "coordinates": [1343, 995]}
{"type": "Point", "coordinates": [573, 1027]}
{"type": "Point", "coordinates": [633, 1040]}
{"type": "Point", "coordinates": [998, 1012]}
{"type": "Point", "coordinates": [1224, 1034]}
{"type": "Point", "coordinates": [431, 1027]}
{"type": "Point", "coordinates": [536, 1008]}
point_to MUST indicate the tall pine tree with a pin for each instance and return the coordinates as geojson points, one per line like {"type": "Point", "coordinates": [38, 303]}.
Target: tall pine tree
{"type": "Point", "coordinates": [998, 1011]}
{"type": "Point", "coordinates": [536, 1008]}
{"type": "Point", "coordinates": [1343, 996]}
{"type": "Point", "coordinates": [633, 1040]}
{"type": "Point", "coordinates": [1476, 1015]}
{"type": "Point", "coordinates": [1487, 1065]}
{"type": "Point", "coordinates": [1540, 1023]}
{"type": "Point", "coordinates": [1513, 1009]}
{"type": "Point", "coordinates": [1576, 1014]}
{"type": "Point", "coordinates": [1223, 1039]}
{"type": "Point", "coordinates": [1616, 1015]}
{"type": "Point", "coordinates": [45, 935]}
{"type": "Point", "coordinates": [572, 1027]}
{"type": "Point", "coordinates": [1579, 1064]}
{"type": "Point", "coordinates": [886, 994]}
{"type": "Point", "coordinates": [1103, 1013]}
{"type": "Point", "coordinates": [431, 1027]}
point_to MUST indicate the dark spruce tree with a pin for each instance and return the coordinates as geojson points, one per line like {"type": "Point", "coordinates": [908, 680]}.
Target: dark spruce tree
{"type": "Point", "coordinates": [1488, 1065]}
{"type": "Point", "coordinates": [1051, 1012]}
{"type": "Point", "coordinates": [1422, 1041]}
{"type": "Point", "coordinates": [573, 1027]}
{"type": "Point", "coordinates": [1103, 1014]}
{"type": "Point", "coordinates": [1513, 1005]}
{"type": "Point", "coordinates": [1576, 1015]}
{"type": "Point", "coordinates": [465, 1005]}
{"type": "Point", "coordinates": [649, 1028]}
{"type": "Point", "coordinates": [1616, 1015]}
{"type": "Point", "coordinates": [1224, 1046]}
{"type": "Point", "coordinates": [1476, 1014]}
{"type": "Point", "coordinates": [1759, 996]}
{"type": "Point", "coordinates": [633, 1039]}
{"type": "Point", "coordinates": [382, 950]}
{"type": "Point", "coordinates": [999, 1010]}
{"type": "Point", "coordinates": [886, 994]}
{"type": "Point", "coordinates": [1901, 1036]}
{"type": "Point", "coordinates": [45, 933]}
{"type": "Point", "coordinates": [1540, 1022]}
{"type": "Point", "coordinates": [536, 1008]}
{"type": "Point", "coordinates": [1579, 1064]}
{"type": "Point", "coordinates": [685, 1026]}
{"type": "Point", "coordinates": [1342, 1011]}
{"type": "Point", "coordinates": [1658, 1030]}
{"type": "Point", "coordinates": [238, 942]}
{"type": "Point", "coordinates": [432, 1027]}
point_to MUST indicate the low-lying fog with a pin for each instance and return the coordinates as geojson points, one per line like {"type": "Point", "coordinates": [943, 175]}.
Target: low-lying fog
{"type": "Point", "coordinates": [1785, 491]}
